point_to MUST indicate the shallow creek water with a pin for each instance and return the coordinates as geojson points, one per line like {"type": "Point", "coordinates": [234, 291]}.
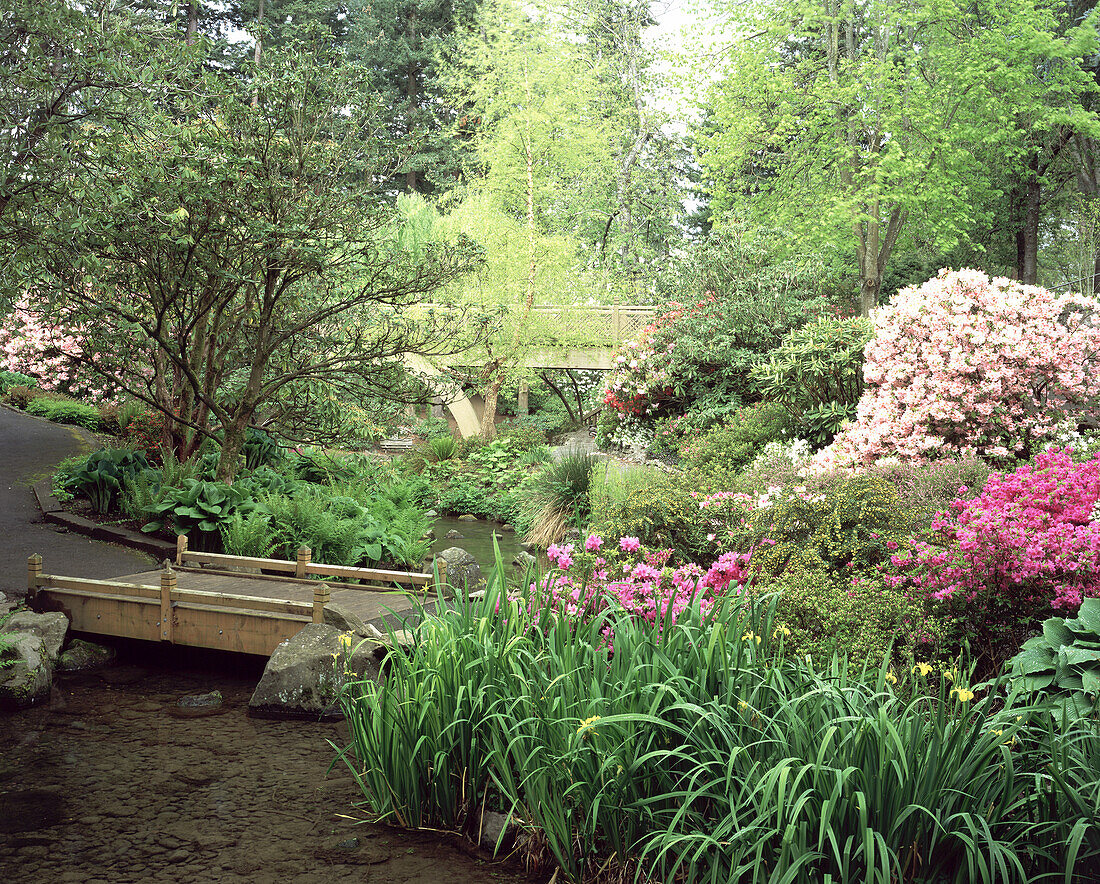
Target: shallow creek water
{"type": "Point", "coordinates": [477, 540]}
{"type": "Point", "coordinates": [106, 786]}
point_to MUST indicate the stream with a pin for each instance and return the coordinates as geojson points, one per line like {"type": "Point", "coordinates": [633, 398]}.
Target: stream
{"type": "Point", "coordinates": [107, 785]}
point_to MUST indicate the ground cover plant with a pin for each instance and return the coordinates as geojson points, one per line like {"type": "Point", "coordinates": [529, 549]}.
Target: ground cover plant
{"type": "Point", "coordinates": [703, 751]}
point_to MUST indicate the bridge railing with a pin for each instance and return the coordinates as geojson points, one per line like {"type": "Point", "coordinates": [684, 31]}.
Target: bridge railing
{"type": "Point", "coordinates": [584, 325]}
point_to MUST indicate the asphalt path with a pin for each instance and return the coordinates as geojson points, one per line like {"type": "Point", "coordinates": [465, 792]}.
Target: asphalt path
{"type": "Point", "coordinates": [29, 450]}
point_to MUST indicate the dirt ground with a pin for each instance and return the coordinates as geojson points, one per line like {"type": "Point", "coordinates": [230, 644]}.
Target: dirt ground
{"type": "Point", "coordinates": [107, 786]}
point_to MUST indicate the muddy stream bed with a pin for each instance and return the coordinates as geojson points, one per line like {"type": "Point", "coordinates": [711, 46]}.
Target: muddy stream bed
{"type": "Point", "coordinates": [107, 785]}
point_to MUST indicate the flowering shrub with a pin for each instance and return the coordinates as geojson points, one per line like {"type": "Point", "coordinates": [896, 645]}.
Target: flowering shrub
{"type": "Point", "coordinates": [643, 584]}
{"type": "Point", "coordinates": [693, 361]}
{"type": "Point", "coordinates": [972, 365]}
{"type": "Point", "coordinates": [846, 527]}
{"type": "Point", "coordinates": [1001, 561]}
{"type": "Point", "coordinates": [50, 354]}
{"type": "Point", "coordinates": [662, 514]}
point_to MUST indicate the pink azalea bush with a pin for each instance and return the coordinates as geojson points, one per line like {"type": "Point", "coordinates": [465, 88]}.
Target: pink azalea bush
{"type": "Point", "coordinates": [643, 584]}
{"type": "Point", "coordinates": [965, 364]}
{"type": "Point", "coordinates": [1004, 559]}
{"type": "Point", "coordinates": [31, 345]}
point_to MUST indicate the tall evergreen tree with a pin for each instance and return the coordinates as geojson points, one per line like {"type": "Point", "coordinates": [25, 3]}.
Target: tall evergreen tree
{"type": "Point", "coordinates": [406, 44]}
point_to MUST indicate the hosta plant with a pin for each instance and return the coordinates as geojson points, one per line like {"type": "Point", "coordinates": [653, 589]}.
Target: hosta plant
{"type": "Point", "coordinates": [1062, 665]}
{"type": "Point", "coordinates": [102, 475]}
{"type": "Point", "coordinates": [199, 509]}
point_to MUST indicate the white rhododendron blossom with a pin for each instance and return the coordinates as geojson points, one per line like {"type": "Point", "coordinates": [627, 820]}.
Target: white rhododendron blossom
{"type": "Point", "coordinates": [965, 364]}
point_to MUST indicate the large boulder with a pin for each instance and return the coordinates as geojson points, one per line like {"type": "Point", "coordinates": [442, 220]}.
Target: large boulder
{"type": "Point", "coordinates": [307, 672]}
{"type": "Point", "coordinates": [51, 627]}
{"type": "Point", "coordinates": [28, 680]}
{"type": "Point", "coordinates": [346, 621]}
{"type": "Point", "coordinates": [463, 571]}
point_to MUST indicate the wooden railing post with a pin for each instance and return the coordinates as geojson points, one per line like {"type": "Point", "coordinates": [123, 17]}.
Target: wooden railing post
{"type": "Point", "coordinates": [616, 324]}
{"type": "Point", "coordinates": [303, 562]}
{"type": "Point", "coordinates": [34, 573]}
{"type": "Point", "coordinates": [167, 587]}
{"type": "Point", "coordinates": [320, 599]}
{"type": "Point", "coordinates": [441, 566]}
{"type": "Point", "coordinates": [181, 548]}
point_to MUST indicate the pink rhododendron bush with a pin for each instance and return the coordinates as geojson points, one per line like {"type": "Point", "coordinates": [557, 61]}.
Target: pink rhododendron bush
{"type": "Point", "coordinates": [1000, 562]}
{"type": "Point", "coordinates": [33, 346]}
{"type": "Point", "coordinates": [965, 364]}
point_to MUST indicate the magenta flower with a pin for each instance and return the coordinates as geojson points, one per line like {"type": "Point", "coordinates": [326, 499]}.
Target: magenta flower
{"type": "Point", "coordinates": [629, 544]}
{"type": "Point", "coordinates": [593, 543]}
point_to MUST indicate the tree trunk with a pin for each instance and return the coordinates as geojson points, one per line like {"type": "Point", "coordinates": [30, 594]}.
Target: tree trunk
{"type": "Point", "coordinates": [489, 414]}
{"type": "Point", "coordinates": [1029, 269]}
{"type": "Point", "coordinates": [412, 78]}
{"type": "Point", "coordinates": [232, 444]}
{"type": "Point", "coordinates": [192, 21]}
{"type": "Point", "coordinates": [259, 49]}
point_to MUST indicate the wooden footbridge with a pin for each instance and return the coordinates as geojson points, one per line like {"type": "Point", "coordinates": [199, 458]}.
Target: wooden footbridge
{"type": "Point", "coordinates": [231, 603]}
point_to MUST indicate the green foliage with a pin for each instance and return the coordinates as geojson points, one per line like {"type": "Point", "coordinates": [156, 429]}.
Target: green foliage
{"type": "Point", "coordinates": [20, 397]}
{"type": "Point", "coordinates": [558, 498]}
{"type": "Point", "coordinates": [64, 411]}
{"type": "Point", "coordinates": [198, 508]}
{"type": "Point", "coordinates": [1062, 665]}
{"type": "Point", "coordinates": [866, 622]}
{"type": "Point", "coordinates": [816, 374]}
{"type": "Point", "coordinates": [103, 474]}
{"type": "Point", "coordinates": [248, 534]}
{"type": "Point", "coordinates": [695, 754]}
{"type": "Point", "coordinates": [9, 379]}
{"type": "Point", "coordinates": [529, 432]}
{"type": "Point", "coordinates": [439, 448]}
{"type": "Point", "coordinates": [352, 525]}
{"type": "Point", "coordinates": [929, 488]}
{"type": "Point", "coordinates": [713, 458]}
{"type": "Point", "coordinates": [7, 644]}
{"type": "Point", "coordinates": [660, 512]}
{"type": "Point", "coordinates": [430, 427]}
{"type": "Point", "coordinates": [260, 449]}
{"type": "Point", "coordinates": [842, 529]}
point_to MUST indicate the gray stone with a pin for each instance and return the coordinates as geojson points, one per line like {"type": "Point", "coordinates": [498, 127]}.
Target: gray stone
{"type": "Point", "coordinates": [81, 655]}
{"type": "Point", "coordinates": [496, 828]}
{"type": "Point", "coordinates": [467, 518]}
{"type": "Point", "coordinates": [213, 699]}
{"type": "Point", "coordinates": [346, 621]}
{"type": "Point", "coordinates": [8, 603]}
{"type": "Point", "coordinates": [463, 571]}
{"type": "Point", "coordinates": [307, 672]}
{"type": "Point", "coordinates": [507, 529]}
{"type": "Point", "coordinates": [523, 561]}
{"type": "Point", "coordinates": [29, 679]}
{"type": "Point", "coordinates": [454, 535]}
{"type": "Point", "coordinates": [51, 627]}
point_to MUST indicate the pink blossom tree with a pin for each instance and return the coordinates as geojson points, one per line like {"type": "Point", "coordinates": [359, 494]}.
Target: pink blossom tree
{"type": "Point", "coordinates": [965, 364]}
{"type": "Point", "coordinates": [34, 345]}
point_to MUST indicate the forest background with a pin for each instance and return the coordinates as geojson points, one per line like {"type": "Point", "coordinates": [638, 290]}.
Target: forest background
{"type": "Point", "coordinates": [212, 184]}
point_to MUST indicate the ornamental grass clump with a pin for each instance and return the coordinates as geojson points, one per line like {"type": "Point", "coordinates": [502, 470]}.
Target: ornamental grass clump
{"type": "Point", "coordinates": [702, 751]}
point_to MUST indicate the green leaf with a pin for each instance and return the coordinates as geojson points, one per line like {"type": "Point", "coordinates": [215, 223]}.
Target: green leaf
{"type": "Point", "coordinates": [1090, 681]}
{"type": "Point", "coordinates": [1055, 632]}
{"type": "Point", "coordinates": [1089, 614]}
{"type": "Point", "coordinates": [1035, 682]}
